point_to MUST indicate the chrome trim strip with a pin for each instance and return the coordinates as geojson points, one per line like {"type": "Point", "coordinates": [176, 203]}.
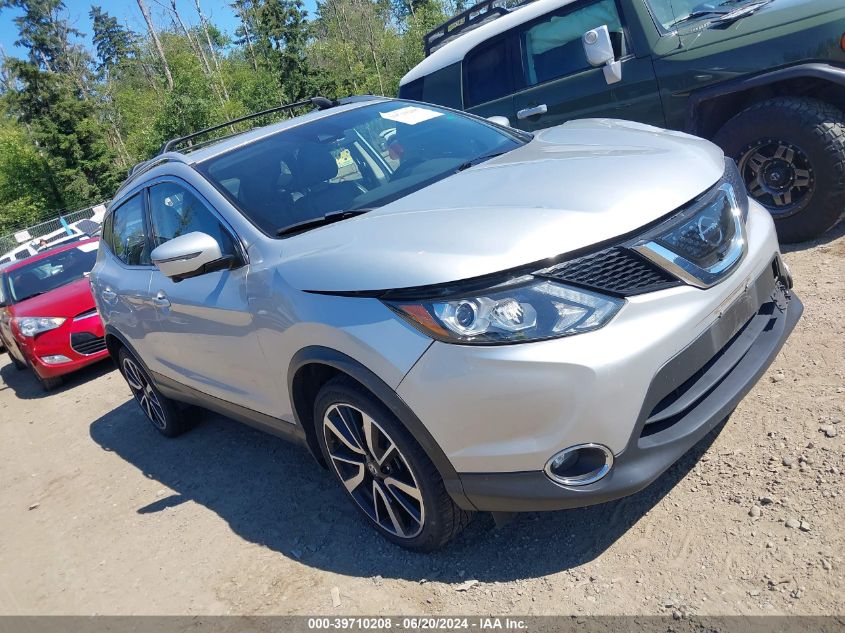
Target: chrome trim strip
{"type": "Point", "coordinates": [584, 480]}
{"type": "Point", "coordinates": [691, 273]}
{"type": "Point", "coordinates": [86, 315]}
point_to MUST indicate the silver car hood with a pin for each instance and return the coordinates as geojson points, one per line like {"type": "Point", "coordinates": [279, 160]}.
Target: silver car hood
{"type": "Point", "coordinates": [572, 186]}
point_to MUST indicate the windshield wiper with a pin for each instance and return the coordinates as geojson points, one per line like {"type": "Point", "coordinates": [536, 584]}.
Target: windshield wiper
{"type": "Point", "coordinates": [697, 14]}
{"type": "Point", "coordinates": [477, 160]}
{"type": "Point", "coordinates": [739, 12]}
{"type": "Point", "coordinates": [313, 223]}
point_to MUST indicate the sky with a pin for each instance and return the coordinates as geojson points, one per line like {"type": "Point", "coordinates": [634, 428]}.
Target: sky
{"type": "Point", "coordinates": [126, 11]}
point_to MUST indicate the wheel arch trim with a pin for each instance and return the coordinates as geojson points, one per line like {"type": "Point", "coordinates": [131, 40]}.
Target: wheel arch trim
{"type": "Point", "coordinates": [319, 355]}
{"type": "Point", "coordinates": [697, 98]}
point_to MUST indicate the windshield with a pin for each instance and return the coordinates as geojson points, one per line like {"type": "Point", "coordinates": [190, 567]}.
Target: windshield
{"type": "Point", "coordinates": [355, 160]}
{"type": "Point", "coordinates": [51, 272]}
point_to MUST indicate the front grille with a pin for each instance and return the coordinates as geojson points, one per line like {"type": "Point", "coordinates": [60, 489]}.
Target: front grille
{"type": "Point", "coordinates": [615, 270]}
{"type": "Point", "coordinates": [86, 343]}
{"type": "Point", "coordinates": [85, 315]}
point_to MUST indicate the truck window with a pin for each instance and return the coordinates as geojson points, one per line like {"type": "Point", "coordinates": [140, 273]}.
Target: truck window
{"type": "Point", "coordinates": [487, 73]}
{"type": "Point", "coordinates": [552, 47]}
{"type": "Point", "coordinates": [442, 87]}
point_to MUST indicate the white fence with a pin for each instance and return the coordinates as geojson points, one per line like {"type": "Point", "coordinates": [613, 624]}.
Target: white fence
{"type": "Point", "coordinates": [33, 233]}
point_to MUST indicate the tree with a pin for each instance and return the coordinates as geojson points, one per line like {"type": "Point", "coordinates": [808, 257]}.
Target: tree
{"type": "Point", "coordinates": [26, 194]}
{"type": "Point", "coordinates": [55, 109]}
{"type": "Point", "coordinates": [282, 32]}
{"type": "Point", "coordinates": [113, 43]}
{"type": "Point", "coordinates": [156, 43]}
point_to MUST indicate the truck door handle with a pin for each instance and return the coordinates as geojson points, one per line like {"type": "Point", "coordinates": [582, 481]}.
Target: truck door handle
{"type": "Point", "coordinates": [161, 300]}
{"type": "Point", "coordinates": [527, 112]}
{"type": "Point", "coordinates": [109, 295]}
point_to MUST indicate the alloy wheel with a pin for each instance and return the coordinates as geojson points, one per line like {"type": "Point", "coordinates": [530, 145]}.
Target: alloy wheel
{"type": "Point", "coordinates": [374, 471]}
{"type": "Point", "coordinates": [144, 393]}
{"type": "Point", "coordinates": [778, 175]}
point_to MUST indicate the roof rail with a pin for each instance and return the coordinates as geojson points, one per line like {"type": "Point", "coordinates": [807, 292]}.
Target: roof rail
{"type": "Point", "coordinates": [475, 16]}
{"type": "Point", "coordinates": [321, 103]}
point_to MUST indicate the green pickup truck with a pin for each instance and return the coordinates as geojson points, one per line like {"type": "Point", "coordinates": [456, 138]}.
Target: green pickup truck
{"type": "Point", "coordinates": [764, 79]}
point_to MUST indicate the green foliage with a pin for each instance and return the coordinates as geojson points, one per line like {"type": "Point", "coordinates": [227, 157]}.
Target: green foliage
{"type": "Point", "coordinates": [114, 44]}
{"type": "Point", "coordinates": [25, 191]}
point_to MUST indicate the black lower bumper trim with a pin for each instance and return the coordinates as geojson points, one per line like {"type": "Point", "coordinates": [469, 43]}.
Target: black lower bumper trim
{"type": "Point", "coordinates": [644, 461]}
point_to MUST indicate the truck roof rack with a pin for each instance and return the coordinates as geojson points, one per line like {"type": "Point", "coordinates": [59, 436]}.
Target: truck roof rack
{"type": "Point", "coordinates": [321, 103]}
{"type": "Point", "coordinates": [468, 20]}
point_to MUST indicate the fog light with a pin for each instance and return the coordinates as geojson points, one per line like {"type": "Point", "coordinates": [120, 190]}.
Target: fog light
{"type": "Point", "coordinates": [55, 359]}
{"type": "Point", "coordinates": [579, 465]}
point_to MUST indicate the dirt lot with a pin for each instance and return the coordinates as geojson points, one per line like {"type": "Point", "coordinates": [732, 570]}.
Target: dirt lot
{"type": "Point", "coordinates": [99, 514]}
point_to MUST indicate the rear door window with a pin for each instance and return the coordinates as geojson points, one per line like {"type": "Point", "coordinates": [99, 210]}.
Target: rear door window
{"type": "Point", "coordinates": [129, 233]}
{"type": "Point", "coordinates": [487, 73]}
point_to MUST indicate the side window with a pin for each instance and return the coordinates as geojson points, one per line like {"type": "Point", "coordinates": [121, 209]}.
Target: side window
{"type": "Point", "coordinates": [552, 47]}
{"type": "Point", "coordinates": [175, 211]}
{"type": "Point", "coordinates": [107, 235]}
{"type": "Point", "coordinates": [129, 235]}
{"type": "Point", "coordinates": [486, 75]}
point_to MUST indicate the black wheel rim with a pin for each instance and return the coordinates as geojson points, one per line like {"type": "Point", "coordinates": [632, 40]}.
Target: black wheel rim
{"type": "Point", "coordinates": [778, 175]}
{"type": "Point", "coordinates": [144, 393]}
{"type": "Point", "coordinates": [374, 471]}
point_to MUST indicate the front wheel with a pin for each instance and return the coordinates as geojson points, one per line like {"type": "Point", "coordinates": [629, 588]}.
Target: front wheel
{"type": "Point", "coordinates": [791, 153]}
{"type": "Point", "coordinates": [383, 470]}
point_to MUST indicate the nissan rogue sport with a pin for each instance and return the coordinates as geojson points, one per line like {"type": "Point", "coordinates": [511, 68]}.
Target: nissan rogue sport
{"type": "Point", "coordinates": [452, 315]}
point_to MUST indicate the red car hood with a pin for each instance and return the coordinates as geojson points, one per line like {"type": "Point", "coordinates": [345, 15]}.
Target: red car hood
{"type": "Point", "coordinates": [65, 301]}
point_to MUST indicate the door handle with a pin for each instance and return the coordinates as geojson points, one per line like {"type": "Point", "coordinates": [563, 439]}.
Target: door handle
{"type": "Point", "coordinates": [109, 295]}
{"type": "Point", "coordinates": [534, 111]}
{"type": "Point", "coordinates": [161, 300]}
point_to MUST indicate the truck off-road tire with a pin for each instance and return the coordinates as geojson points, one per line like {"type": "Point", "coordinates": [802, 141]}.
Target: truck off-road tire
{"type": "Point", "coordinates": [791, 153]}
{"type": "Point", "coordinates": [383, 469]}
{"type": "Point", "coordinates": [163, 413]}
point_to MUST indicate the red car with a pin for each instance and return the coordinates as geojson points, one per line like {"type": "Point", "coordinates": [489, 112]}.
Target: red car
{"type": "Point", "coordinates": [48, 320]}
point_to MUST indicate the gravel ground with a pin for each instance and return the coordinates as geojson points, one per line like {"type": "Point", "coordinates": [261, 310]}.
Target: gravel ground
{"type": "Point", "coordinates": [99, 514]}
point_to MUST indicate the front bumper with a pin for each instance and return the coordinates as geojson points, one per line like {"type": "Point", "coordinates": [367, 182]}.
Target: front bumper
{"type": "Point", "coordinates": [727, 373]}
{"type": "Point", "coordinates": [79, 339]}
{"type": "Point", "coordinates": [500, 412]}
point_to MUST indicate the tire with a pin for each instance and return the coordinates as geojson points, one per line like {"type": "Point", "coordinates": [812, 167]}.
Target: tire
{"type": "Point", "coordinates": [791, 153]}
{"type": "Point", "coordinates": [386, 474]}
{"type": "Point", "coordinates": [162, 412]}
{"type": "Point", "coordinates": [48, 384]}
{"type": "Point", "coordinates": [18, 364]}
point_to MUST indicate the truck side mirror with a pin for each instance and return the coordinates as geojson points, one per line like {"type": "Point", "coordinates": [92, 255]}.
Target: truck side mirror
{"type": "Point", "coordinates": [598, 49]}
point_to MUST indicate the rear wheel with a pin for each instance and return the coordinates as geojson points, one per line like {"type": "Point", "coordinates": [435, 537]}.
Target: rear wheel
{"type": "Point", "coordinates": [162, 412]}
{"type": "Point", "coordinates": [791, 153]}
{"type": "Point", "coordinates": [382, 468]}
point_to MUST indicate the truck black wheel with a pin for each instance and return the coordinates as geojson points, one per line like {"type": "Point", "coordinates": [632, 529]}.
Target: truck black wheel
{"type": "Point", "coordinates": [791, 153]}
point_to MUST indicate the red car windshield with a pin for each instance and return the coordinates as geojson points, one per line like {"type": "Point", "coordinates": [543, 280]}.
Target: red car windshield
{"type": "Point", "coordinates": [51, 272]}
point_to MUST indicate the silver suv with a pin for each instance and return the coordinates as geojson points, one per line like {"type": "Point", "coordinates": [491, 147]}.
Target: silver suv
{"type": "Point", "coordinates": [450, 314]}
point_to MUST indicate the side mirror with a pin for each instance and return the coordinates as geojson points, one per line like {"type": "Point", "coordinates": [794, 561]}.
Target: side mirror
{"type": "Point", "coordinates": [598, 48]}
{"type": "Point", "coordinates": [499, 120]}
{"type": "Point", "coordinates": [190, 255]}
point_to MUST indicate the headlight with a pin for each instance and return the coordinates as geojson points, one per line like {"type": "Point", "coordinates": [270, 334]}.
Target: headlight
{"type": "Point", "coordinates": [526, 310]}
{"type": "Point", "coordinates": [30, 326]}
{"type": "Point", "coordinates": [734, 179]}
